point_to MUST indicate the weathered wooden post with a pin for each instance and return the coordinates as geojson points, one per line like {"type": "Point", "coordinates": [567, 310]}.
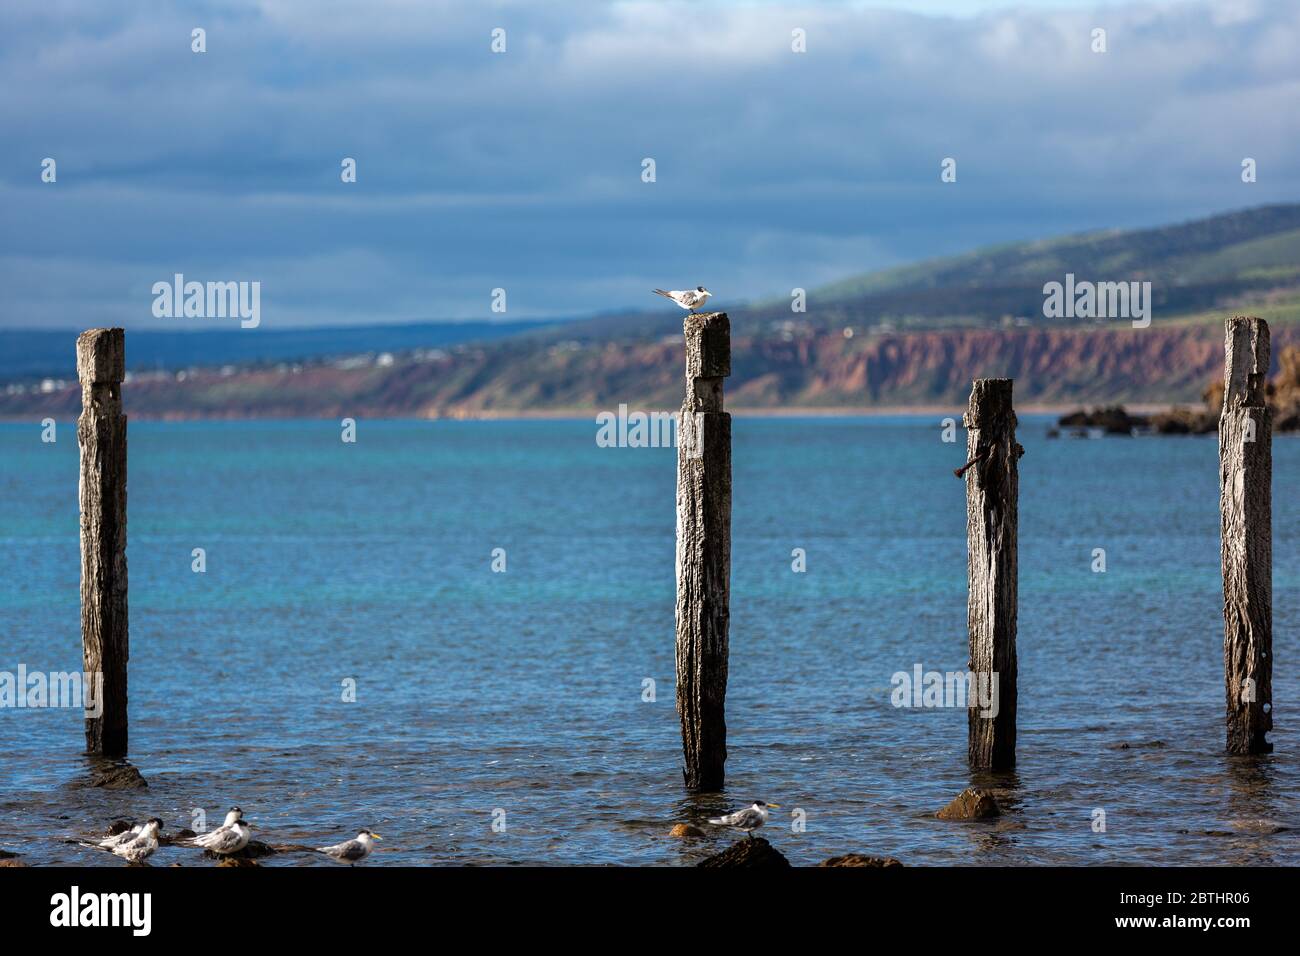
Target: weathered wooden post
{"type": "Point", "coordinates": [101, 434]}
{"type": "Point", "coordinates": [1246, 511]}
{"type": "Point", "coordinates": [704, 551]}
{"type": "Point", "coordinates": [992, 492]}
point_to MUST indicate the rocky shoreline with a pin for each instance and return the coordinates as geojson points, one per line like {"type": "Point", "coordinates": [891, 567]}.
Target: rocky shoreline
{"type": "Point", "coordinates": [974, 804]}
{"type": "Point", "coordinates": [1282, 393]}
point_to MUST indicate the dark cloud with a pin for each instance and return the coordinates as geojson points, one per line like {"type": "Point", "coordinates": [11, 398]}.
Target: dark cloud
{"type": "Point", "coordinates": [522, 170]}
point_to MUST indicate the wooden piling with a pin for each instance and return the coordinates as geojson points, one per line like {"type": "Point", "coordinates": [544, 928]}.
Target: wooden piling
{"type": "Point", "coordinates": [101, 435]}
{"type": "Point", "coordinates": [992, 492]}
{"type": "Point", "coordinates": [1246, 510]}
{"type": "Point", "coordinates": [704, 551]}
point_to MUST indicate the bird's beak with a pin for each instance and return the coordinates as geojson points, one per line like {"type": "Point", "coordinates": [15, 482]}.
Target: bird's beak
{"type": "Point", "coordinates": [775, 806]}
{"type": "Point", "coordinates": [375, 836]}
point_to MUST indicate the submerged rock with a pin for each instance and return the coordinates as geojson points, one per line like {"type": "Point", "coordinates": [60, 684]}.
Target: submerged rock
{"type": "Point", "coordinates": [751, 853]}
{"type": "Point", "coordinates": [1125, 745]}
{"type": "Point", "coordinates": [973, 803]}
{"type": "Point", "coordinates": [686, 830]}
{"type": "Point", "coordinates": [255, 850]}
{"type": "Point", "coordinates": [114, 777]}
{"type": "Point", "coordinates": [179, 838]}
{"type": "Point", "coordinates": [858, 859]}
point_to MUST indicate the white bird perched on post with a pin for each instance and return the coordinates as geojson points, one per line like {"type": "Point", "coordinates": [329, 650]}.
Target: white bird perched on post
{"type": "Point", "coordinates": [231, 837]}
{"type": "Point", "coordinates": [352, 852]}
{"type": "Point", "coordinates": [747, 820]}
{"type": "Point", "coordinates": [690, 300]}
{"type": "Point", "coordinates": [142, 847]}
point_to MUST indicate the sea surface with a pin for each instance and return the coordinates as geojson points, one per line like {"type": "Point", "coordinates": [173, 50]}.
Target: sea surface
{"type": "Point", "coordinates": [520, 697]}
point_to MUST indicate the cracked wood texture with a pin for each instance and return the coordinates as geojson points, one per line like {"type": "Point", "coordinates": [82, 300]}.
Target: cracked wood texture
{"type": "Point", "coordinates": [992, 491]}
{"type": "Point", "coordinates": [1246, 510]}
{"type": "Point", "coordinates": [704, 551]}
{"type": "Point", "coordinates": [101, 435]}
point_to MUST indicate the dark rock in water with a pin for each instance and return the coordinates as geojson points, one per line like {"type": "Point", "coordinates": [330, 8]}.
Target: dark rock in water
{"type": "Point", "coordinates": [11, 862]}
{"type": "Point", "coordinates": [1282, 395]}
{"type": "Point", "coordinates": [751, 853]}
{"type": "Point", "coordinates": [1113, 420]}
{"type": "Point", "coordinates": [179, 837]}
{"type": "Point", "coordinates": [256, 849]}
{"type": "Point", "coordinates": [1149, 744]}
{"type": "Point", "coordinates": [114, 777]}
{"type": "Point", "coordinates": [236, 860]}
{"type": "Point", "coordinates": [6, 855]}
{"type": "Point", "coordinates": [1186, 421]}
{"type": "Point", "coordinates": [686, 830]}
{"type": "Point", "coordinates": [858, 859]}
{"type": "Point", "coordinates": [972, 803]}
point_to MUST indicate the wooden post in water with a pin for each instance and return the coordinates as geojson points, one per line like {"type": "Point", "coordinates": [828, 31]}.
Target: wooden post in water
{"type": "Point", "coordinates": [1246, 511]}
{"type": "Point", "coordinates": [992, 492]}
{"type": "Point", "coordinates": [704, 551]}
{"type": "Point", "coordinates": [101, 434]}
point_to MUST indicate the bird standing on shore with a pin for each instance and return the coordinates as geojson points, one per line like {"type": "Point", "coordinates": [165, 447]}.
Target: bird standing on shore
{"type": "Point", "coordinates": [142, 847]}
{"type": "Point", "coordinates": [231, 837]}
{"type": "Point", "coordinates": [747, 820]}
{"type": "Point", "coordinates": [352, 852]}
{"type": "Point", "coordinates": [690, 300]}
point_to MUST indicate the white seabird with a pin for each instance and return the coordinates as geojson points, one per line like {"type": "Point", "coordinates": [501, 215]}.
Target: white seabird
{"type": "Point", "coordinates": [126, 836]}
{"type": "Point", "coordinates": [142, 847]}
{"type": "Point", "coordinates": [690, 299]}
{"type": "Point", "coordinates": [352, 852]}
{"type": "Point", "coordinates": [747, 820]}
{"type": "Point", "coordinates": [231, 837]}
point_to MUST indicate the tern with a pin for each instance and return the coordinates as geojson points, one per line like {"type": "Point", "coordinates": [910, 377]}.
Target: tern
{"type": "Point", "coordinates": [352, 852]}
{"type": "Point", "coordinates": [747, 820]}
{"type": "Point", "coordinates": [690, 300]}
{"type": "Point", "coordinates": [142, 847]}
{"type": "Point", "coordinates": [120, 839]}
{"type": "Point", "coordinates": [231, 837]}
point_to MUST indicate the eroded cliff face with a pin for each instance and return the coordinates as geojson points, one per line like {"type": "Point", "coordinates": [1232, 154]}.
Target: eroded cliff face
{"type": "Point", "coordinates": [800, 370]}
{"type": "Point", "coordinates": [1049, 366]}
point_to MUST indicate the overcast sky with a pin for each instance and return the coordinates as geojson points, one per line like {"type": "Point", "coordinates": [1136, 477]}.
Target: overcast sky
{"type": "Point", "coordinates": [523, 170]}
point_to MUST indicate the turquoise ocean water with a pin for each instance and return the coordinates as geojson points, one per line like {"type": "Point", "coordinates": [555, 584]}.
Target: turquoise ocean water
{"type": "Point", "coordinates": [523, 691]}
